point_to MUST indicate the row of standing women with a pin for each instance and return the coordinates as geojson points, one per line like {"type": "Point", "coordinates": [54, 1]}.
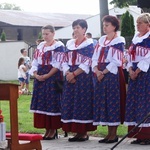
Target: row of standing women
{"type": "Point", "coordinates": [94, 88]}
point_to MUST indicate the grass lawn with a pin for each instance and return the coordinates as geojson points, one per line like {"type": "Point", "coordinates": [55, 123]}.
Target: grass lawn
{"type": "Point", "coordinates": [26, 118]}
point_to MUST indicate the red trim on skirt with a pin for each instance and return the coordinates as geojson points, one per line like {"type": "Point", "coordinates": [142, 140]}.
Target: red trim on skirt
{"type": "Point", "coordinates": [141, 133]}
{"type": "Point", "coordinates": [122, 94]}
{"type": "Point", "coordinates": [78, 127]}
{"type": "Point", "coordinates": [46, 121]}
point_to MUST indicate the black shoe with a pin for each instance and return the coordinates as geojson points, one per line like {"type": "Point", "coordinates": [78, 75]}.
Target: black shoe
{"type": "Point", "coordinates": [145, 142]}
{"type": "Point", "coordinates": [138, 141]}
{"type": "Point", "coordinates": [56, 134]}
{"type": "Point", "coordinates": [66, 134]}
{"type": "Point", "coordinates": [81, 139]}
{"type": "Point", "coordinates": [51, 138]}
{"type": "Point", "coordinates": [112, 141]}
{"type": "Point", "coordinates": [74, 139]}
{"type": "Point", "coordinates": [103, 141]}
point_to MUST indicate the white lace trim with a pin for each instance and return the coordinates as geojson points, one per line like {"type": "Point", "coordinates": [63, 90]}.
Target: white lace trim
{"type": "Point", "coordinates": [134, 124]}
{"type": "Point", "coordinates": [49, 48]}
{"type": "Point", "coordinates": [71, 44]}
{"type": "Point", "coordinates": [76, 121]}
{"type": "Point", "coordinates": [137, 39]}
{"type": "Point", "coordinates": [44, 112]}
{"type": "Point", "coordinates": [106, 123]}
{"type": "Point", "coordinates": [116, 40]}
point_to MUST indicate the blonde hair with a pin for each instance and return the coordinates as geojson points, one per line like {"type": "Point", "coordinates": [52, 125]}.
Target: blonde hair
{"type": "Point", "coordinates": [144, 17]}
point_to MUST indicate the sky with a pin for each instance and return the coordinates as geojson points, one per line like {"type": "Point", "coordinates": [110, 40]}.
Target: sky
{"type": "Point", "coordinates": [58, 6]}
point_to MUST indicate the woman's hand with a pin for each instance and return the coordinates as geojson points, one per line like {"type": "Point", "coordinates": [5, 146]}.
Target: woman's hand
{"type": "Point", "coordinates": [70, 77]}
{"type": "Point", "coordinates": [73, 81]}
{"type": "Point", "coordinates": [39, 77]}
{"type": "Point", "coordinates": [137, 71]}
{"type": "Point", "coordinates": [132, 74]}
{"type": "Point", "coordinates": [99, 75]}
{"type": "Point", "coordinates": [45, 76]}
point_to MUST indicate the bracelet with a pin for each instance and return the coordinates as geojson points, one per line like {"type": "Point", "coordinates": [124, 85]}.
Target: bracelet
{"type": "Point", "coordinates": [74, 74]}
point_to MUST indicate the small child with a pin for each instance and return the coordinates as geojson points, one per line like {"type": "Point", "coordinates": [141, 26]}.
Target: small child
{"type": "Point", "coordinates": [21, 73]}
{"type": "Point", "coordinates": [27, 64]}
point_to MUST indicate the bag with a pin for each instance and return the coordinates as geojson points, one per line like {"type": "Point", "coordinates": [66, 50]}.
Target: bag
{"type": "Point", "coordinates": [59, 86]}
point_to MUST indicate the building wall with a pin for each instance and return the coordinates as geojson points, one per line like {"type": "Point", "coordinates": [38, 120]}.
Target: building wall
{"type": "Point", "coordinates": [93, 27]}
{"type": "Point", "coordinates": [9, 55]}
{"type": "Point", "coordinates": [29, 33]}
{"type": "Point", "coordinates": [94, 22]}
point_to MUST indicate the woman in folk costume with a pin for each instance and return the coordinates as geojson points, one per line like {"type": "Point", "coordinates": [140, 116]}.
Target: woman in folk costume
{"type": "Point", "coordinates": [138, 95]}
{"type": "Point", "coordinates": [109, 83]}
{"type": "Point", "coordinates": [77, 99]}
{"type": "Point", "coordinates": [45, 102]}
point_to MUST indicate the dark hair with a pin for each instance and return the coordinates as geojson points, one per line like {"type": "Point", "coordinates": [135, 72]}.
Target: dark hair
{"type": "Point", "coordinates": [22, 50]}
{"type": "Point", "coordinates": [50, 27]}
{"type": "Point", "coordinates": [89, 34]}
{"type": "Point", "coordinates": [20, 61]}
{"type": "Point", "coordinates": [113, 20]}
{"type": "Point", "coordinates": [80, 22]}
{"type": "Point", "coordinates": [38, 41]}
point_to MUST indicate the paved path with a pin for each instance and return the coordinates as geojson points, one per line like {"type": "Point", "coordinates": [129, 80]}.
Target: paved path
{"type": "Point", "coordinates": [92, 144]}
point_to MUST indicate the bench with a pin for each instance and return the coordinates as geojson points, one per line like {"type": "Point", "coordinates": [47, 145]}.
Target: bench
{"type": "Point", "coordinates": [34, 140]}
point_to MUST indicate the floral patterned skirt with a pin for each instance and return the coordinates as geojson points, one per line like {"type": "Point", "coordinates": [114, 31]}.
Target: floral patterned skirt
{"type": "Point", "coordinates": [109, 98]}
{"type": "Point", "coordinates": [45, 100]}
{"type": "Point", "coordinates": [138, 103]}
{"type": "Point", "coordinates": [77, 104]}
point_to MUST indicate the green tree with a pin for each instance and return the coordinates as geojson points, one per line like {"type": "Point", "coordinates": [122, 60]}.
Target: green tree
{"type": "Point", "coordinates": [132, 25]}
{"type": "Point", "coordinates": [127, 24]}
{"type": "Point", "coordinates": [7, 6]}
{"type": "Point", "coordinates": [127, 27]}
{"type": "Point", "coordinates": [3, 36]}
{"type": "Point", "coordinates": [123, 3]}
{"type": "Point", "coordinates": [40, 35]}
{"type": "Point", "coordinates": [126, 3]}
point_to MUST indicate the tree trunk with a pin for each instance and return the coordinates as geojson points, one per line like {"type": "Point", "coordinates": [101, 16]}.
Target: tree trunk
{"type": "Point", "coordinates": [103, 11]}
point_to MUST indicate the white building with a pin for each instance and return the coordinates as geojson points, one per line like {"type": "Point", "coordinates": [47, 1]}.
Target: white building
{"type": "Point", "coordinates": [9, 56]}
{"type": "Point", "coordinates": [94, 22]}
{"type": "Point", "coordinates": [93, 27]}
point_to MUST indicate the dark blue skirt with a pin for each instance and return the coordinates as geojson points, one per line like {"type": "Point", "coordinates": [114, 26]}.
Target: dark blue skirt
{"type": "Point", "coordinates": [46, 99]}
{"type": "Point", "coordinates": [77, 99]}
{"type": "Point", "coordinates": [138, 99]}
{"type": "Point", "coordinates": [107, 101]}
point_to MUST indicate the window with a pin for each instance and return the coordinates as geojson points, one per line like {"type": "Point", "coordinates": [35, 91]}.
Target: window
{"type": "Point", "coordinates": [20, 34]}
{"type": "Point", "coordinates": [34, 32]}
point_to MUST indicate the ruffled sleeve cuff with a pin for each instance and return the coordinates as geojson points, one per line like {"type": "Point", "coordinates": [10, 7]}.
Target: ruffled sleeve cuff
{"type": "Point", "coordinates": [84, 67]}
{"type": "Point", "coordinates": [143, 65]}
{"type": "Point", "coordinates": [56, 65]}
{"type": "Point", "coordinates": [65, 68]}
{"type": "Point", "coordinates": [94, 63]}
{"type": "Point", "coordinates": [112, 68]}
{"type": "Point", "coordinates": [129, 64]}
{"type": "Point", "coordinates": [32, 70]}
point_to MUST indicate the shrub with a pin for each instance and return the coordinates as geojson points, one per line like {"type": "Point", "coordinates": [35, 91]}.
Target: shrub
{"type": "Point", "coordinates": [3, 36]}
{"type": "Point", "coordinates": [127, 27]}
{"type": "Point", "coordinates": [40, 35]}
